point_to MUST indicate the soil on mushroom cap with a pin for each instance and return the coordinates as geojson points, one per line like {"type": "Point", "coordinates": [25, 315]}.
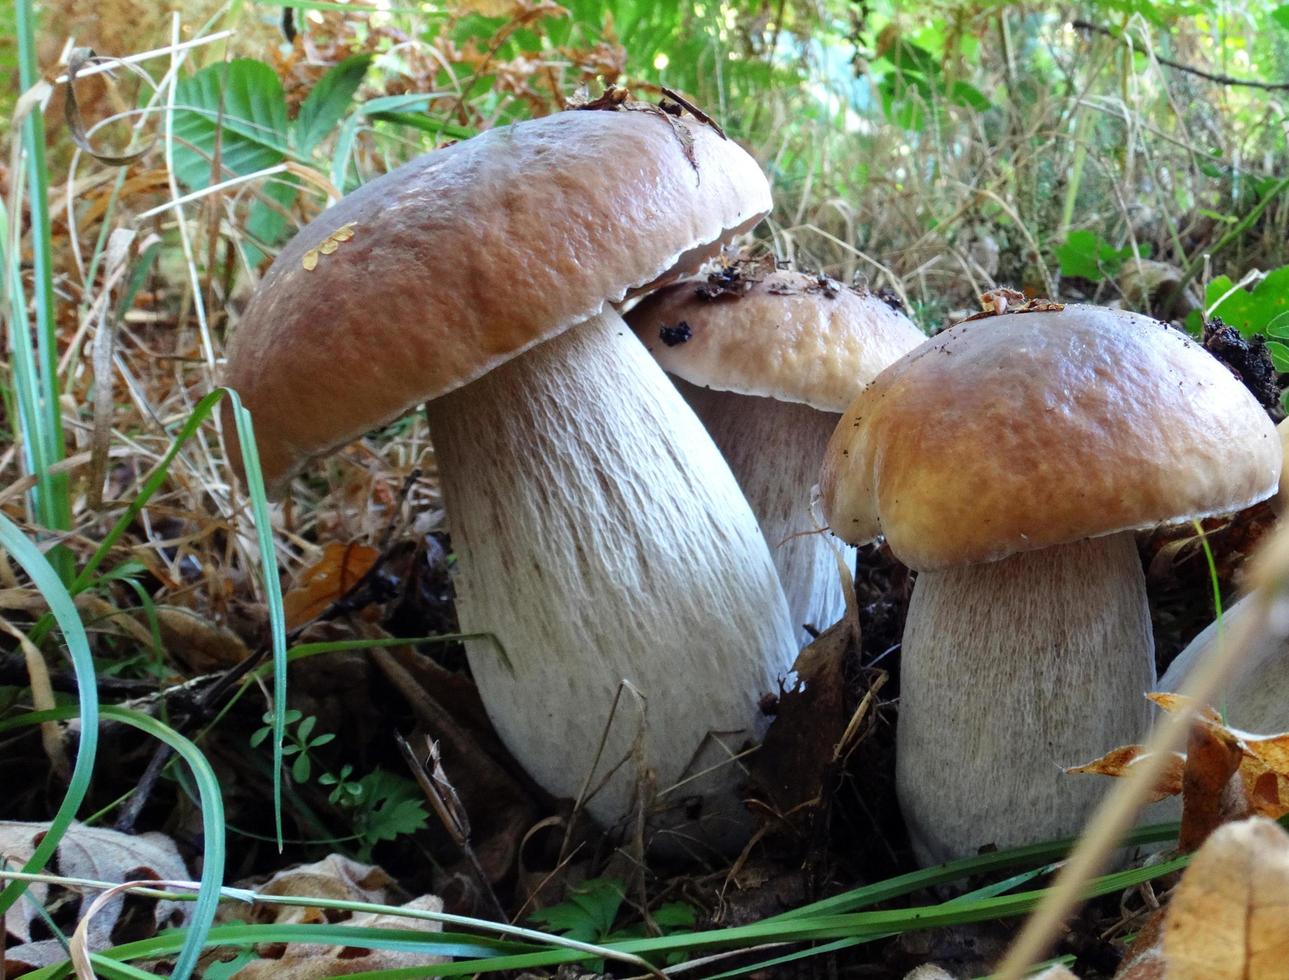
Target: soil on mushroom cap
{"type": "Point", "coordinates": [1249, 360]}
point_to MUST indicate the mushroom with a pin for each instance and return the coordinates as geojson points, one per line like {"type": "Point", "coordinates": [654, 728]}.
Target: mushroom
{"type": "Point", "coordinates": [1255, 697]}
{"type": "Point", "coordinates": [602, 542]}
{"type": "Point", "coordinates": [769, 359]}
{"type": "Point", "coordinates": [1008, 460]}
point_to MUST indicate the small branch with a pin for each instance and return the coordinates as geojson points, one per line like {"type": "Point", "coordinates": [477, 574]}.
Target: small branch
{"type": "Point", "coordinates": [1083, 25]}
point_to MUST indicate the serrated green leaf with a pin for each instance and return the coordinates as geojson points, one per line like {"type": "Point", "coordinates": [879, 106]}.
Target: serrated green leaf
{"type": "Point", "coordinates": [587, 914]}
{"type": "Point", "coordinates": [238, 105]}
{"type": "Point", "coordinates": [396, 819]}
{"type": "Point", "coordinates": [328, 101]}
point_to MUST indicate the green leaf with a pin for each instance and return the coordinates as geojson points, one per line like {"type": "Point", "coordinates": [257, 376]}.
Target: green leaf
{"type": "Point", "coordinates": [240, 107]}
{"type": "Point", "coordinates": [1279, 325]}
{"type": "Point", "coordinates": [1088, 256]}
{"type": "Point", "coordinates": [1281, 16]}
{"type": "Point", "coordinates": [302, 768]}
{"type": "Point", "coordinates": [328, 101]}
{"type": "Point", "coordinates": [396, 819]}
{"type": "Point", "coordinates": [966, 94]}
{"type": "Point", "coordinates": [391, 806]}
{"type": "Point", "coordinates": [588, 913]}
{"type": "Point", "coordinates": [675, 915]}
{"type": "Point", "coordinates": [1279, 355]}
{"type": "Point", "coordinates": [306, 728]}
{"type": "Point", "coordinates": [1250, 311]}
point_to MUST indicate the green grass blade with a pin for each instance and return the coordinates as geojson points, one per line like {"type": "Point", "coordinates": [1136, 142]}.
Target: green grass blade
{"type": "Point", "coordinates": [1013, 857]}
{"type": "Point", "coordinates": [50, 585]}
{"type": "Point", "coordinates": [212, 823]}
{"type": "Point", "coordinates": [55, 508]}
{"type": "Point", "coordinates": [272, 592]}
{"type": "Point", "coordinates": [193, 938]}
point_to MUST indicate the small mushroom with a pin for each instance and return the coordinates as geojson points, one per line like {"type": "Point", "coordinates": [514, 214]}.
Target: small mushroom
{"type": "Point", "coordinates": [1009, 460]}
{"type": "Point", "coordinates": [602, 542]}
{"type": "Point", "coordinates": [769, 359]}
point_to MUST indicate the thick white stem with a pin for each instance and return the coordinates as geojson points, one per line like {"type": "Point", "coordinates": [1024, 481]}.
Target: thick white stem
{"type": "Point", "coordinates": [603, 541]}
{"type": "Point", "coordinates": [775, 450]}
{"type": "Point", "coordinates": [1009, 671]}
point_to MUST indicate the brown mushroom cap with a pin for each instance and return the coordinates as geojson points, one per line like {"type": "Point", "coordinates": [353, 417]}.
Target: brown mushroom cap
{"type": "Point", "coordinates": [789, 336]}
{"type": "Point", "coordinates": [1022, 431]}
{"type": "Point", "coordinates": [428, 277]}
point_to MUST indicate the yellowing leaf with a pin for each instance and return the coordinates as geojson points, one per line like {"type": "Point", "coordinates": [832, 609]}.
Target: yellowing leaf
{"type": "Point", "coordinates": [1229, 919]}
{"type": "Point", "coordinates": [332, 576]}
{"type": "Point", "coordinates": [1116, 763]}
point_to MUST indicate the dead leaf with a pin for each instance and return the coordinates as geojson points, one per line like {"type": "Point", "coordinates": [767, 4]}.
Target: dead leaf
{"type": "Point", "coordinates": [1209, 796]}
{"type": "Point", "coordinates": [791, 768]}
{"type": "Point", "coordinates": [335, 876]}
{"type": "Point", "coordinates": [196, 643]}
{"type": "Point", "coordinates": [1229, 918]}
{"type": "Point", "coordinates": [307, 961]}
{"type": "Point", "coordinates": [1116, 762]}
{"type": "Point", "coordinates": [1225, 775]}
{"type": "Point", "coordinates": [325, 581]}
{"type": "Point", "coordinates": [86, 852]}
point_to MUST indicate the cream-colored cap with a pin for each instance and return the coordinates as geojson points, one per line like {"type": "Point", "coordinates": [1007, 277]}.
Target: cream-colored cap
{"type": "Point", "coordinates": [773, 333]}
{"type": "Point", "coordinates": [428, 277]}
{"type": "Point", "coordinates": [1026, 430]}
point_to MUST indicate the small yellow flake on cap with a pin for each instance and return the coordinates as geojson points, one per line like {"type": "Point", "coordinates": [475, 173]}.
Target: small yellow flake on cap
{"type": "Point", "coordinates": [329, 245]}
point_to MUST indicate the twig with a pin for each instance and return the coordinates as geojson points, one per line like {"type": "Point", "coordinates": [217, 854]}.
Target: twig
{"type": "Point", "coordinates": [1083, 25]}
{"type": "Point", "coordinates": [129, 815]}
{"type": "Point", "coordinates": [447, 807]}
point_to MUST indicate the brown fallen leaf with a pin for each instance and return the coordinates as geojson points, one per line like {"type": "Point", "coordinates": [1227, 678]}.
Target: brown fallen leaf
{"type": "Point", "coordinates": [334, 877]}
{"type": "Point", "coordinates": [1225, 775]}
{"type": "Point", "coordinates": [326, 580]}
{"type": "Point", "coordinates": [307, 961]}
{"type": "Point", "coordinates": [1229, 918]}
{"type": "Point", "coordinates": [85, 852]}
{"type": "Point", "coordinates": [1116, 762]}
{"type": "Point", "coordinates": [791, 768]}
{"type": "Point", "coordinates": [198, 644]}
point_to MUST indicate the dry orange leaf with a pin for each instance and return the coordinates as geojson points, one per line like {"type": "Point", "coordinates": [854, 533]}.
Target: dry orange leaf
{"type": "Point", "coordinates": [1229, 919]}
{"type": "Point", "coordinates": [1261, 763]}
{"type": "Point", "coordinates": [1116, 762]}
{"type": "Point", "coordinates": [331, 577]}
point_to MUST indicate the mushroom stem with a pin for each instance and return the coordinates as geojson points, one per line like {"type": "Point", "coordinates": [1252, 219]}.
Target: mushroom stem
{"type": "Point", "coordinates": [774, 449]}
{"type": "Point", "coordinates": [1009, 671]}
{"type": "Point", "coordinates": [602, 540]}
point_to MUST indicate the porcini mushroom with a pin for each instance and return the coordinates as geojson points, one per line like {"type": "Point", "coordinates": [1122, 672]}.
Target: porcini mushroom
{"type": "Point", "coordinates": [1008, 460]}
{"type": "Point", "coordinates": [1255, 697]}
{"type": "Point", "coordinates": [769, 359]}
{"type": "Point", "coordinates": [600, 537]}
